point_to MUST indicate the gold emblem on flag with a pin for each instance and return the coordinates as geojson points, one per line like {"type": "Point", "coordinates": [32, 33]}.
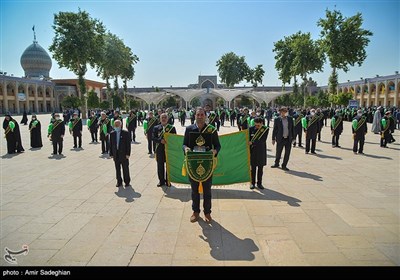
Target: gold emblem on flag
{"type": "Point", "coordinates": [200, 170]}
{"type": "Point", "coordinates": [200, 141]}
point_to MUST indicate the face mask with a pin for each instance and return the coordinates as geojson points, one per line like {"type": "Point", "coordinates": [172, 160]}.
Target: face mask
{"type": "Point", "coordinates": [286, 114]}
{"type": "Point", "coordinates": [75, 117]}
{"type": "Point", "coordinates": [117, 128]}
{"type": "Point", "coordinates": [57, 118]}
{"type": "Point", "coordinates": [33, 118]}
{"type": "Point", "coordinates": [359, 114]}
{"type": "Point", "coordinates": [312, 113]}
{"type": "Point", "coordinates": [258, 114]}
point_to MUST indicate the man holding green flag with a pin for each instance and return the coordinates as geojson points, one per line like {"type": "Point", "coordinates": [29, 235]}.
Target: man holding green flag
{"type": "Point", "coordinates": [210, 132]}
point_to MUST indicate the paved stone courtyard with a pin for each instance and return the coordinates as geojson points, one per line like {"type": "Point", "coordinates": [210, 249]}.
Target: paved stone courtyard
{"type": "Point", "coordinates": [333, 208]}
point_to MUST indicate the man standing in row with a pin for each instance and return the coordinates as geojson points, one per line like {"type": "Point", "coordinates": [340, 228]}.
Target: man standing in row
{"type": "Point", "coordinates": [120, 151]}
{"type": "Point", "coordinates": [148, 126]}
{"type": "Point", "coordinates": [359, 128]}
{"type": "Point", "coordinates": [56, 131]}
{"type": "Point", "coordinates": [105, 129]}
{"type": "Point", "coordinates": [336, 128]}
{"type": "Point", "coordinates": [159, 140]}
{"type": "Point", "coordinates": [298, 131]}
{"type": "Point", "coordinates": [93, 127]}
{"type": "Point", "coordinates": [75, 128]}
{"type": "Point", "coordinates": [310, 125]}
{"type": "Point", "coordinates": [258, 151]}
{"type": "Point", "coordinates": [131, 124]}
{"type": "Point", "coordinates": [283, 134]}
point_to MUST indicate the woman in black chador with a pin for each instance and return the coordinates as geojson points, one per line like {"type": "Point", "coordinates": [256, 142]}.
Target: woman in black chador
{"type": "Point", "coordinates": [12, 135]}
{"type": "Point", "coordinates": [24, 120]}
{"type": "Point", "coordinates": [36, 132]}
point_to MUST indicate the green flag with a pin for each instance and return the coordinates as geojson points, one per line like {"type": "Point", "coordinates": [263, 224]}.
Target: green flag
{"type": "Point", "coordinates": [233, 165]}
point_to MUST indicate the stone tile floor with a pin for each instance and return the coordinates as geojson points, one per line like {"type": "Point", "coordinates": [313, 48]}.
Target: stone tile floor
{"type": "Point", "coordinates": [333, 208]}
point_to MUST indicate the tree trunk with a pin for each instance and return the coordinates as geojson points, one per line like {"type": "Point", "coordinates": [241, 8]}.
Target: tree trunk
{"type": "Point", "coordinates": [82, 89]}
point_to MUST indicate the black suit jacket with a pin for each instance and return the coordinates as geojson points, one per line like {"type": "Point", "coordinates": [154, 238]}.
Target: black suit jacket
{"type": "Point", "coordinates": [277, 133]}
{"type": "Point", "coordinates": [124, 145]}
{"type": "Point", "coordinates": [193, 128]}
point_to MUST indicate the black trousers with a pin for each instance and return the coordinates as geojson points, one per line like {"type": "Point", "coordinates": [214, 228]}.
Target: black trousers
{"type": "Point", "coordinates": [80, 141]}
{"type": "Point", "coordinates": [132, 134]}
{"type": "Point", "coordinates": [59, 144]}
{"type": "Point", "coordinates": [191, 121]}
{"type": "Point", "coordinates": [150, 145]}
{"type": "Point", "coordinates": [295, 136]}
{"type": "Point", "coordinates": [355, 145]}
{"type": "Point", "coordinates": [162, 174]}
{"type": "Point", "coordinates": [259, 174]}
{"type": "Point", "coordinates": [182, 122]}
{"type": "Point", "coordinates": [232, 121]}
{"type": "Point", "coordinates": [313, 142]}
{"type": "Point", "coordinates": [218, 125]}
{"type": "Point", "coordinates": [319, 135]}
{"type": "Point", "coordinates": [206, 196]}
{"type": "Point", "coordinates": [335, 140]}
{"type": "Point", "coordinates": [385, 140]}
{"type": "Point", "coordinates": [284, 143]}
{"type": "Point", "coordinates": [125, 170]}
{"type": "Point", "coordinates": [93, 133]}
{"type": "Point", "coordinates": [105, 145]}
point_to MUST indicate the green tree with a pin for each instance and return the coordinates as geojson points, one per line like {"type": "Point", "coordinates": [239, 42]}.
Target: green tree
{"type": "Point", "coordinates": [344, 42]}
{"type": "Point", "coordinates": [169, 102]}
{"type": "Point", "coordinates": [71, 101]}
{"type": "Point", "coordinates": [78, 42]}
{"type": "Point", "coordinates": [255, 75]}
{"type": "Point", "coordinates": [297, 55]}
{"type": "Point", "coordinates": [93, 100]}
{"type": "Point", "coordinates": [195, 102]}
{"type": "Point", "coordinates": [117, 101]}
{"type": "Point", "coordinates": [311, 101]}
{"type": "Point", "coordinates": [322, 99]}
{"type": "Point", "coordinates": [232, 69]}
{"type": "Point", "coordinates": [104, 105]}
{"type": "Point", "coordinates": [245, 101]}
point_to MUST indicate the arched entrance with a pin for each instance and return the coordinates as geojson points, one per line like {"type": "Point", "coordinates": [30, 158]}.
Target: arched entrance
{"type": "Point", "coordinates": [208, 101]}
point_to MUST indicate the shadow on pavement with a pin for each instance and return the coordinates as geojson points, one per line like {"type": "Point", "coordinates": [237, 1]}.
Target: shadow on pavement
{"type": "Point", "coordinates": [230, 248]}
{"type": "Point", "coordinates": [377, 157]}
{"type": "Point", "coordinates": [305, 175]}
{"type": "Point", "coordinates": [329, 157]}
{"type": "Point", "coordinates": [128, 192]}
{"type": "Point", "coordinates": [266, 194]}
{"type": "Point", "coordinates": [7, 156]}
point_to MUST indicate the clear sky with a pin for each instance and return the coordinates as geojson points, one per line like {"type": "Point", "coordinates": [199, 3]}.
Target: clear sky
{"type": "Point", "coordinates": [178, 40]}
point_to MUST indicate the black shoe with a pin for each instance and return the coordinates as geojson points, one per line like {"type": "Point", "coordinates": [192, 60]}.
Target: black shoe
{"type": "Point", "coordinates": [300, 146]}
{"type": "Point", "coordinates": [252, 187]}
{"type": "Point", "coordinates": [118, 185]}
{"type": "Point", "coordinates": [149, 153]}
{"type": "Point", "coordinates": [338, 146]}
{"type": "Point", "coordinates": [361, 153]}
{"type": "Point", "coordinates": [74, 147]}
{"type": "Point", "coordinates": [53, 154]}
{"type": "Point", "coordinates": [314, 153]}
{"type": "Point", "coordinates": [261, 187]}
{"type": "Point", "coordinates": [307, 153]}
{"type": "Point", "coordinates": [274, 166]}
{"type": "Point", "coordinates": [160, 185]}
{"type": "Point", "coordinates": [285, 168]}
{"type": "Point", "coordinates": [127, 185]}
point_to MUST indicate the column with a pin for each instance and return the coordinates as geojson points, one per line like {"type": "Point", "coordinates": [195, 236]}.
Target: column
{"type": "Point", "coordinates": [44, 98]}
{"type": "Point", "coordinates": [376, 94]}
{"type": "Point", "coordinates": [5, 97]}
{"type": "Point", "coordinates": [396, 88]}
{"type": "Point", "coordinates": [52, 100]}
{"type": "Point", "coordinates": [385, 98]}
{"type": "Point", "coordinates": [26, 89]}
{"type": "Point", "coordinates": [368, 95]}
{"type": "Point", "coordinates": [36, 109]}
{"type": "Point", "coordinates": [16, 98]}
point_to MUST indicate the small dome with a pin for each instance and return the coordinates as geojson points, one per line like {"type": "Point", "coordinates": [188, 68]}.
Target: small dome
{"type": "Point", "coordinates": [36, 62]}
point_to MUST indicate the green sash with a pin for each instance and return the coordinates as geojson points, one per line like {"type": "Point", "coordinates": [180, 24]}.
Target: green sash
{"type": "Point", "coordinates": [336, 124]}
{"type": "Point", "coordinates": [313, 120]}
{"type": "Point", "coordinates": [104, 126]}
{"type": "Point", "coordinates": [212, 120]}
{"type": "Point", "coordinates": [260, 132]}
{"type": "Point", "coordinates": [359, 124]}
{"type": "Point", "coordinates": [296, 122]}
{"type": "Point", "coordinates": [151, 122]}
{"type": "Point", "coordinates": [91, 122]}
{"type": "Point", "coordinates": [208, 129]}
{"type": "Point", "coordinates": [165, 129]}
{"type": "Point", "coordinates": [75, 123]}
{"type": "Point", "coordinates": [53, 125]}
